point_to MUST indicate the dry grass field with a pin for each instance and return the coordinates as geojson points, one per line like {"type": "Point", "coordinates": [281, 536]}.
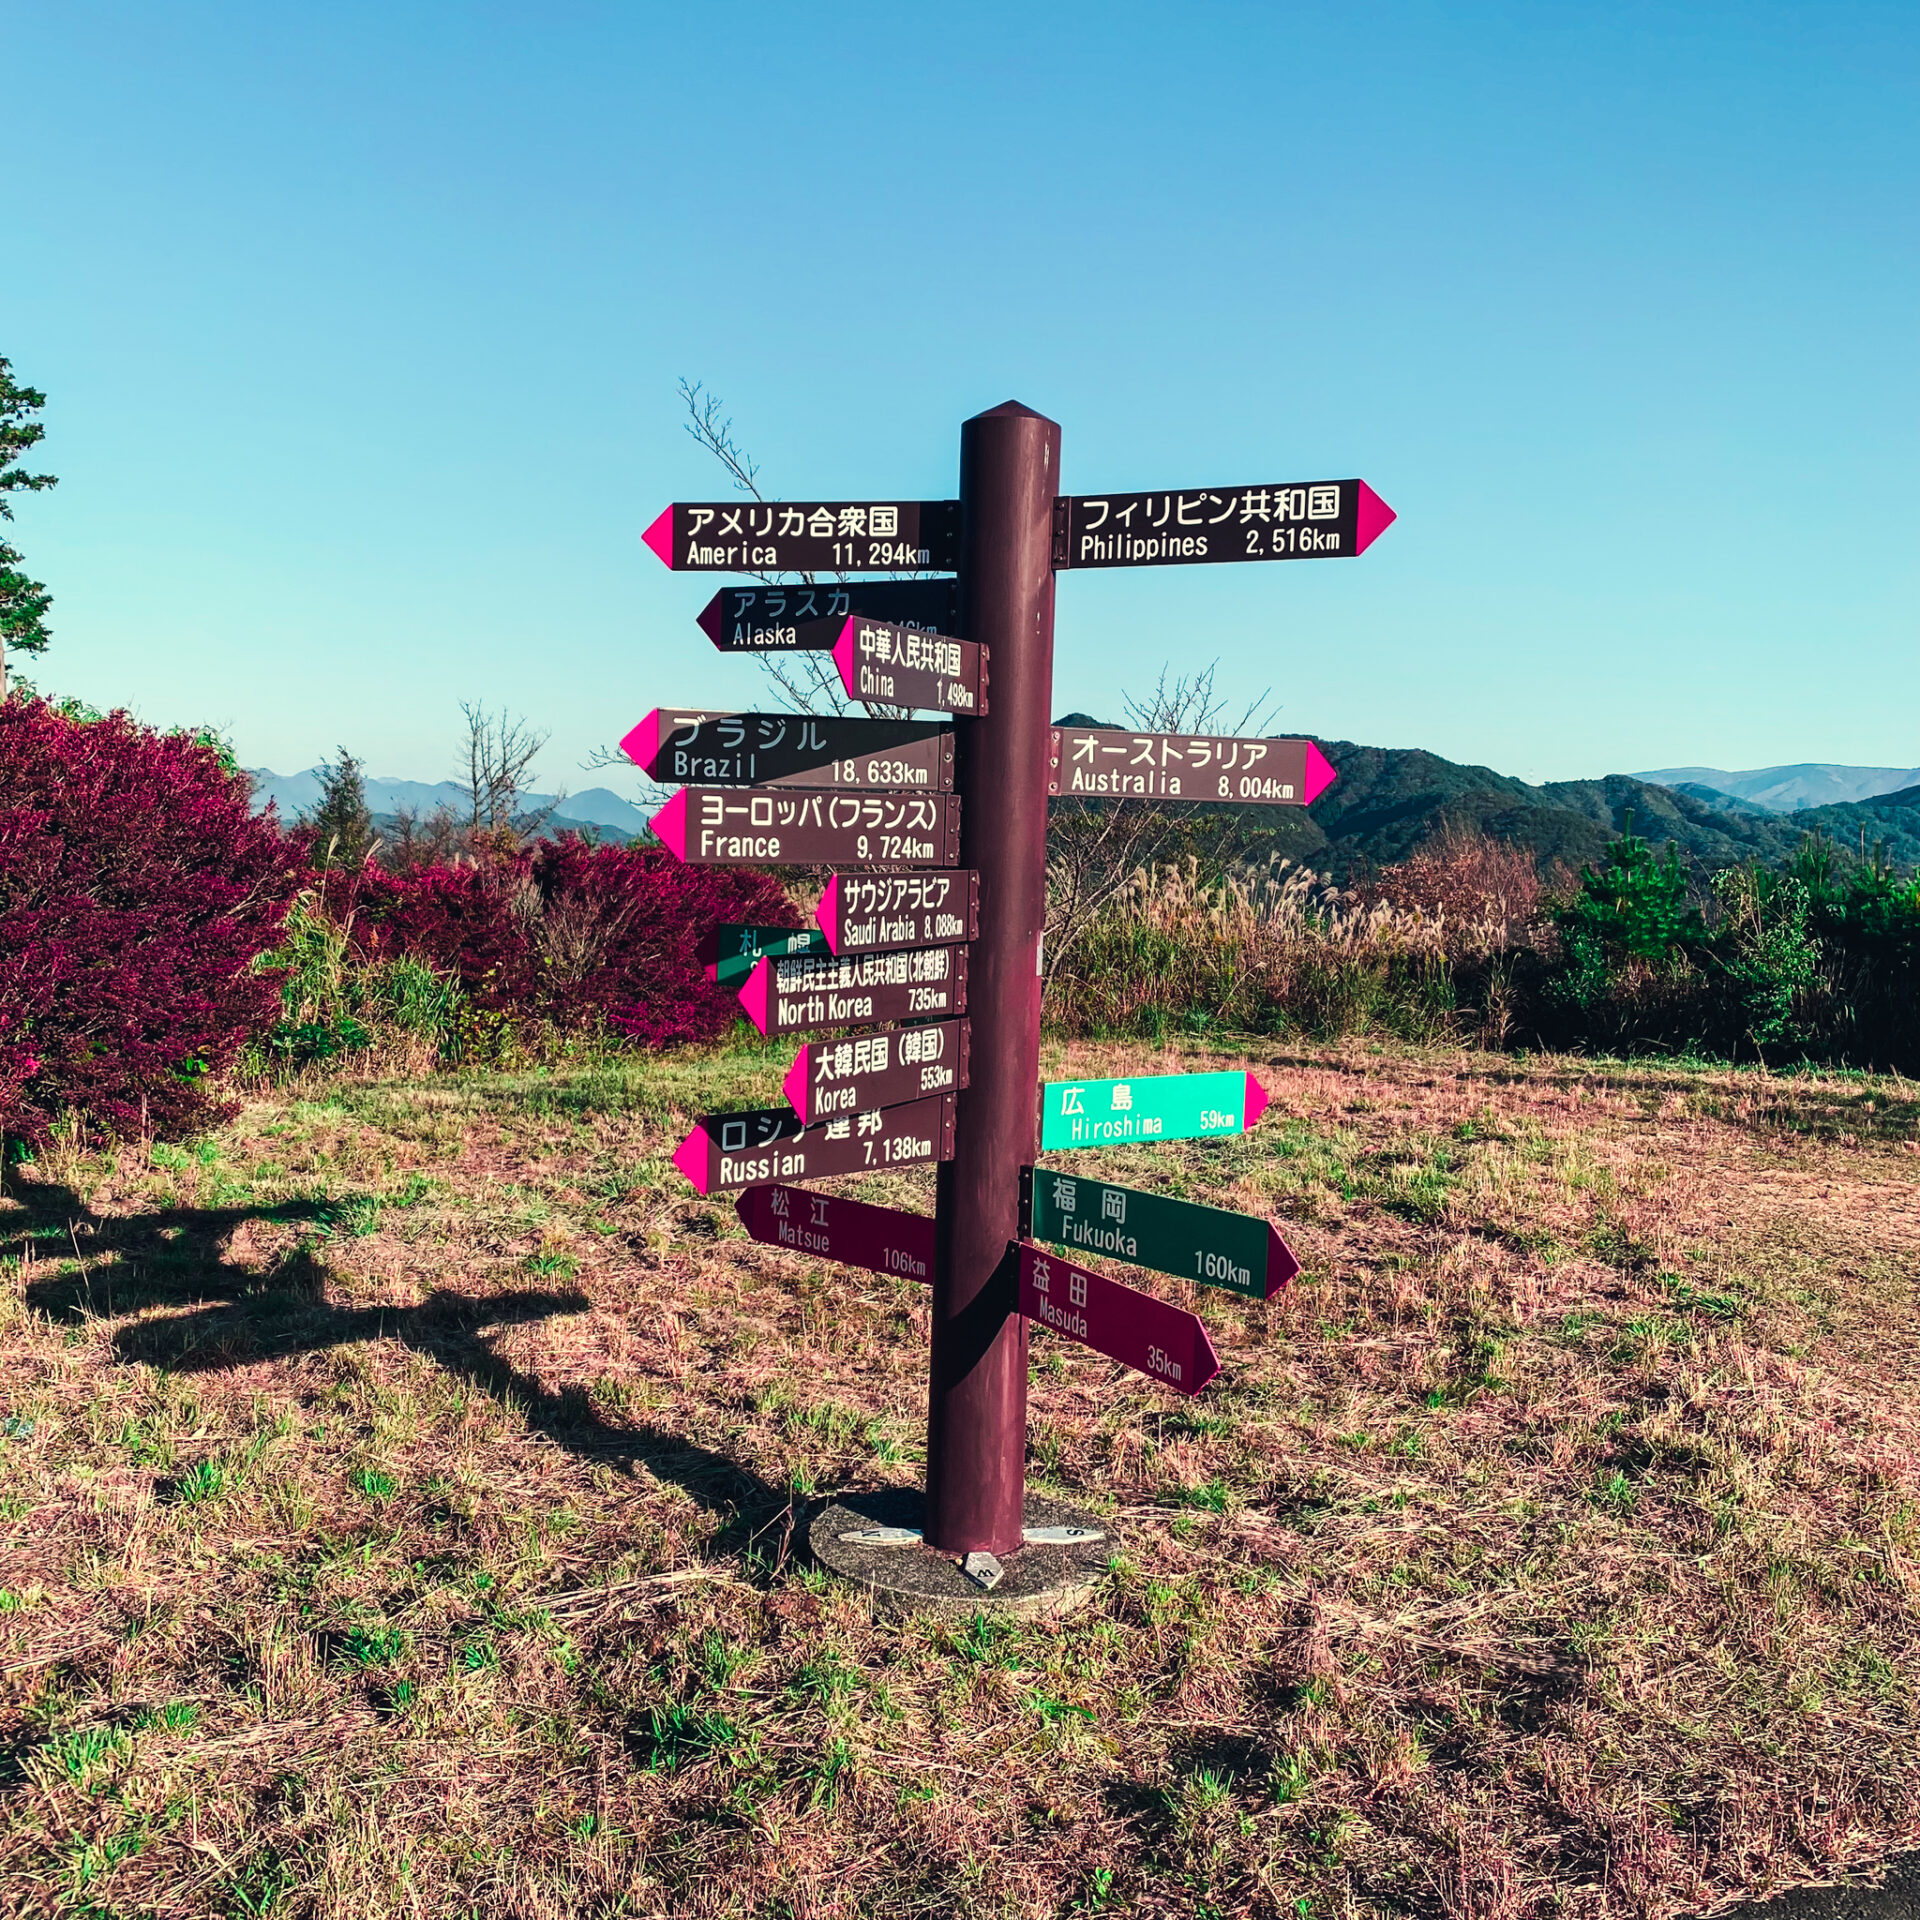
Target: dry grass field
{"type": "Point", "coordinates": [398, 1494]}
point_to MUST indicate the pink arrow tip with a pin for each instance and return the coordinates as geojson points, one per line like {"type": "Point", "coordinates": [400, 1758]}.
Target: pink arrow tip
{"type": "Point", "coordinates": [794, 1086]}
{"type": "Point", "coordinates": [1256, 1103]}
{"type": "Point", "coordinates": [1320, 773]}
{"type": "Point", "coordinates": [826, 916]}
{"type": "Point", "coordinates": [1375, 518]}
{"type": "Point", "coordinates": [643, 742]}
{"type": "Point", "coordinates": [843, 655]}
{"type": "Point", "coordinates": [691, 1158]}
{"type": "Point", "coordinates": [757, 992]}
{"type": "Point", "coordinates": [670, 826]}
{"type": "Point", "coordinates": [659, 537]}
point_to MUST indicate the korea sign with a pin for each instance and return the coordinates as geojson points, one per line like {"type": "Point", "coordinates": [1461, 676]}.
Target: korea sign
{"type": "Point", "coordinates": [857, 1235]}
{"type": "Point", "coordinates": [885, 1069]}
{"type": "Point", "coordinates": [1294, 520]}
{"type": "Point", "coordinates": [681, 747]}
{"type": "Point", "coordinates": [729, 826]}
{"type": "Point", "coordinates": [749, 1149]}
{"type": "Point", "coordinates": [781, 536]}
{"type": "Point", "coordinates": [1103, 763]}
{"type": "Point", "coordinates": [795, 619]}
{"type": "Point", "coordinates": [907, 668]}
{"type": "Point", "coordinates": [814, 990]}
{"type": "Point", "coordinates": [1165, 1342]}
{"type": "Point", "coordinates": [862, 911]}
{"type": "Point", "coordinates": [1155, 1106]}
{"type": "Point", "coordinates": [1218, 1249]}
{"type": "Point", "coordinates": [731, 951]}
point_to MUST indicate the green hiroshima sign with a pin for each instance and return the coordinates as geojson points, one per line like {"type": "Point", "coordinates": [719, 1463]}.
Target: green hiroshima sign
{"type": "Point", "coordinates": [1153, 1106]}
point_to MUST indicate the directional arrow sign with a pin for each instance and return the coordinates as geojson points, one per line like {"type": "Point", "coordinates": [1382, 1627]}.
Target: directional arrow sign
{"type": "Point", "coordinates": [877, 1070]}
{"type": "Point", "coordinates": [781, 536]}
{"type": "Point", "coordinates": [726, 826]}
{"type": "Point", "coordinates": [748, 1149]}
{"type": "Point", "coordinates": [1101, 762]}
{"type": "Point", "coordinates": [1158, 1106]}
{"type": "Point", "coordinates": [794, 619]}
{"type": "Point", "coordinates": [1218, 1249]}
{"type": "Point", "coordinates": [878, 661]}
{"type": "Point", "coordinates": [855, 990]}
{"type": "Point", "coordinates": [862, 911]}
{"type": "Point", "coordinates": [1134, 1328]}
{"type": "Point", "coordinates": [850, 1231]}
{"type": "Point", "coordinates": [1294, 520]}
{"type": "Point", "coordinates": [679, 745]}
{"type": "Point", "coordinates": [731, 952]}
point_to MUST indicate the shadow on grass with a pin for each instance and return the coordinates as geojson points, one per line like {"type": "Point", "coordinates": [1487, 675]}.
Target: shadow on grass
{"type": "Point", "coordinates": [176, 1257]}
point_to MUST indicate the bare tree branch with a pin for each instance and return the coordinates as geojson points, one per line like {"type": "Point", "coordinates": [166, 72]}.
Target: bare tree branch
{"type": "Point", "coordinates": [500, 755]}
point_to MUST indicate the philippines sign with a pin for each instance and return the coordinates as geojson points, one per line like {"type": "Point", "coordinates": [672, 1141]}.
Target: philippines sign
{"type": "Point", "coordinates": [862, 911]}
{"type": "Point", "coordinates": [1105, 763]}
{"type": "Point", "coordinates": [1291, 520]}
{"type": "Point", "coordinates": [855, 990]}
{"type": "Point", "coordinates": [1153, 1338]}
{"type": "Point", "coordinates": [1158, 1106]}
{"type": "Point", "coordinates": [850, 1231]}
{"type": "Point", "coordinates": [795, 619]}
{"type": "Point", "coordinates": [731, 826]}
{"type": "Point", "coordinates": [749, 1149]}
{"type": "Point", "coordinates": [782, 536]}
{"type": "Point", "coordinates": [907, 668]}
{"type": "Point", "coordinates": [1218, 1249]}
{"type": "Point", "coordinates": [886, 1069]}
{"type": "Point", "coordinates": [732, 951]}
{"type": "Point", "coordinates": [680, 747]}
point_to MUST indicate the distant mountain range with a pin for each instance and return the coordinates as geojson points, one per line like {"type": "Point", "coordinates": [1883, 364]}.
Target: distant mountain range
{"type": "Point", "coordinates": [1789, 789]}
{"type": "Point", "coordinates": [599, 807]}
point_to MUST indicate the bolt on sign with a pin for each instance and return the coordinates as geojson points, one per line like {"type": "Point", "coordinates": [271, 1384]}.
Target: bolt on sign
{"type": "Point", "coordinates": [1294, 520]}
{"type": "Point", "coordinates": [907, 668]}
{"type": "Point", "coordinates": [781, 536]}
{"type": "Point", "coordinates": [1160, 1106]}
{"type": "Point", "coordinates": [678, 746]}
{"type": "Point", "coordinates": [1205, 1244]}
{"type": "Point", "coordinates": [748, 1149]}
{"type": "Point", "coordinates": [779, 619]}
{"type": "Point", "coordinates": [884, 1069]}
{"type": "Point", "coordinates": [881, 1239]}
{"type": "Point", "coordinates": [1105, 763]}
{"type": "Point", "coordinates": [862, 911]}
{"type": "Point", "coordinates": [1165, 1342]}
{"type": "Point", "coordinates": [729, 827]}
{"type": "Point", "coordinates": [731, 952]}
{"type": "Point", "coordinates": [855, 990]}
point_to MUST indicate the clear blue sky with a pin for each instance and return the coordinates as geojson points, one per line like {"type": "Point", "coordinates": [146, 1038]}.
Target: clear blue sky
{"type": "Point", "coordinates": [361, 326]}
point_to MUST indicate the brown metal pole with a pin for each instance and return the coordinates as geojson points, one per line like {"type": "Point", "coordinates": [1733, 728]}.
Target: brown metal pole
{"type": "Point", "coordinates": [977, 1411]}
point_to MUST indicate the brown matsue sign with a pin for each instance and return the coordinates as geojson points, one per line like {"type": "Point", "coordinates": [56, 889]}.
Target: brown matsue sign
{"type": "Point", "coordinates": [791, 826]}
{"type": "Point", "coordinates": [814, 990]}
{"type": "Point", "coordinates": [749, 1149]}
{"type": "Point", "coordinates": [777, 619]}
{"type": "Point", "coordinates": [679, 746]}
{"type": "Point", "coordinates": [814, 536]}
{"type": "Point", "coordinates": [1103, 763]}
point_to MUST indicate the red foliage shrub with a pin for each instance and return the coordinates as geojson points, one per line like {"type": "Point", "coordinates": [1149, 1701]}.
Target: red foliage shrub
{"type": "Point", "coordinates": [136, 888]}
{"type": "Point", "coordinates": [1483, 891]}
{"type": "Point", "coordinates": [569, 932]}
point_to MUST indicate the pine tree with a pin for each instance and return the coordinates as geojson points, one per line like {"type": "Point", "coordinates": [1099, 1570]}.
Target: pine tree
{"type": "Point", "coordinates": [23, 602]}
{"type": "Point", "coordinates": [343, 823]}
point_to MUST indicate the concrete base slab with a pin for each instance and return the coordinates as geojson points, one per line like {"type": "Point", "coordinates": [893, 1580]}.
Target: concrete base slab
{"type": "Point", "coordinates": [1034, 1581]}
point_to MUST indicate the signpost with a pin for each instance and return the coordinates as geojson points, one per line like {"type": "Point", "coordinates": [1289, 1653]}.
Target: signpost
{"type": "Point", "coordinates": [1218, 1249]}
{"type": "Point", "coordinates": [861, 911]}
{"type": "Point", "coordinates": [1154, 1106]}
{"type": "Point", "coordinates": [725, 827]}
{"type": "Point", "coordinates": [680, 747]}
{"type": "Point", "coordinates": [1168, 1343]}
{"type": "Point", "coordinates": [854, 990]}
{"type": "Point", "coordinates": [777, 619]}
{"type": "Point", "coordinates": [879, 1238]}
{"type": "Point", "coordinates": [884, 1069]}
{"type": "Point", "coordinates": [749, 1149]}
{"type": "Point", "coordinates": [731, 952]}
{"type": "Point", "coordinates": [1293, 520]}
{"type": "Point", "coordinates": [1103, 763]}
{"type": "Point", "coordinates": [783, 536]}
{"type": "Point", "coordinates": [907, 668]}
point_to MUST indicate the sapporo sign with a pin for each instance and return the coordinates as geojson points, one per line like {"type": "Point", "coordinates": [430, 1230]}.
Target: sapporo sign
{"type": "Point", "coordinates": [1287, 520]}
{"type": "Point", "coordinates": [1162, 1106]}
{"type": "Point", "coordinates": [747, 1149]}
{"type": "Point", "coordinates": [1209, 1245]}
{"type": "Point", "coordinates": [776, 619]}
{"type": "Point", "coordinates": [725, 827]}
{"type": "Point", "coordinates": [781, 536]}
{"type": "Point", "coordinates": [1103, 763]}
{"type": "Point", "coordinates": [679, 746]}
